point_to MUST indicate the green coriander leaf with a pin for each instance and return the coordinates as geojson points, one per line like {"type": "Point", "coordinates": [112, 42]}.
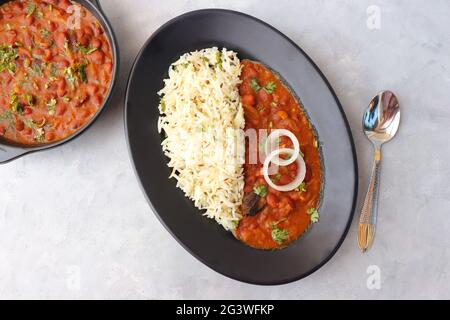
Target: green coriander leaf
{"type": "Point", "coordinates": [276, 178]}
{"type": "Point", "coordinates": [8, 56]}
{"type": "Point", "coordinates": [260, 190]}
{"type": "Point", "coordinates": [31, 9]}
{"type": "Point", "coordinates": [28, 98]}
{"type": "Point", "coordinates": [7, 115]}
{"type": "Point", "coordinates": [39, 134]}
{"type": "Point", "coordinates": [270, 87]}
{"type": "Point", "coordinates": [70, 75]}
{"type": "Point", "coordinates": [255, 85]}
{"type": "Point", "coordinates": [51, 106]}
{"type": "Point", "coordinates": [76, 72]}
{"type": "Point", "coordinates": [36, 68]}
{"type": "Point", "coordinates": [16, 106]}
{"type": "Point", "coordinates": [29, 123]}
{"type": "Point", "coordinates": [279, 235]}
{"type": "Point", "coordinates": [45, 33]}
{"type": "Point", "coordinates": [301, 187]}
{"type": "Point", "coordinates": [80, 69]}
{"type": "Point", "coordinates": [85, 50]}
{"type": "Point", "coordinates": [301, 153]}
{"type": "Point", "coordinates": [314, 215]}
{"type": "Point", "coordinates": [53, 70]}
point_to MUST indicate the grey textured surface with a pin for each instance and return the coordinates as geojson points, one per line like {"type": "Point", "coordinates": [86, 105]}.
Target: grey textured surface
{"type": "Point", "coordinates": [74, 223]}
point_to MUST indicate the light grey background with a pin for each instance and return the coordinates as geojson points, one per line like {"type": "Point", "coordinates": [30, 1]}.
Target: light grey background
{"type": "Point", "coordinates": [74, 223]}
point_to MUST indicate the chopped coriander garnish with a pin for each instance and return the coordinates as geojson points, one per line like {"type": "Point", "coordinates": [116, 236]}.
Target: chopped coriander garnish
{"type": "Point", "coordinates": [53, 70]}
{"type": "Point", "coordinates": [29, 123]}
{"type": "Point", "coordinates": [7, 115]}
{"type": "Point", "coordinates": [39, 135]}
{"type": "Point", "coordinates": [260, 190]}
{"type": "Point", "coordinates": [270, 87]}
{"type": "Point", "coordinates": [80, 70]}
{"type": "Point", "coordinates": [8, 56]}
{"type": "Point", "coordinates": [276, 178]}
{"type": "Point", "coordinates": [314, 215]}
{"type": "Point", "coordinates": [86, 51]}
{"type": "Point", "coordinates": [16, 106]}
{"type": "Point", "coordinates": [36, 68]}
{"type": "Point", "coordinates": [31, 9]}
{"type": "Point", "coordinates": [279, 235]}
{"type": "Point", "coordinates": [70, 76]}
{"type": "Point", "coordinates": [255, 85]}
{"type": "Point", "coordinates": [301, 187]}
{"type": "Point", "coordinates": [28, 98]}
{"type": "Point", "coordinates": [51, 106]}
{"type": "Point", "coordinates": [45, 33]}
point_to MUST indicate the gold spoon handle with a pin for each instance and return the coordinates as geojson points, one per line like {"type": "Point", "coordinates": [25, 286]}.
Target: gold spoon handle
{"type": "Point", "coordinates": [368, 217]}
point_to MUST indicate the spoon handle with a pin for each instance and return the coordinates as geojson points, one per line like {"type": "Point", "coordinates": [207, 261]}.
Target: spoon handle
{"type": "Point", "coordinates": [368, 218]}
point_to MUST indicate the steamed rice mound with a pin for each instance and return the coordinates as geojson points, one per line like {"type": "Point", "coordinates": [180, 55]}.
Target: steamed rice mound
{"type": "Point", "coordinates": [201, 116]}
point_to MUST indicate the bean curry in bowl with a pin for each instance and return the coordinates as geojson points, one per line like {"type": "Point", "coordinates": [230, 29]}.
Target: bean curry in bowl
{"type": "Point", "coordinates": [56, 69]}
{"type": "Point", "coordinates": [280, 217]}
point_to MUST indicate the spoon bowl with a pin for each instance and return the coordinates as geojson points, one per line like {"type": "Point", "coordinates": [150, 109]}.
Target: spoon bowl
{"type": "Point", "coordinates": [382, 118]}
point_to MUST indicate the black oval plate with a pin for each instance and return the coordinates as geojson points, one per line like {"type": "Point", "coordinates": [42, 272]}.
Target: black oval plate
{"type": "Point", "coordinates": [202, 237]}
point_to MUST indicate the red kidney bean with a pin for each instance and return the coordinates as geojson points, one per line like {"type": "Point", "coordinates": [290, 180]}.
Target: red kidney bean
{"type": "Point", "coordinates": [96, 43]}
{"type": "Point", "coordinates": [97, 57]}
{"type": "Point", "coordinates": [50, 136]}
{"type": "Point", "coordinates": [96, 100]}
{"type": "Point", "coordinates": [52, 26]}
{"type": "Point", "coordinates": [30, 20]}
{"type": "Point", "coordinates": [19, 125]}
{"type": "Point", "coordinates": [272, 200]}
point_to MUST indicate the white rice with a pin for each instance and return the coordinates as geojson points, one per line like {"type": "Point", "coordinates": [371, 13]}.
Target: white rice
{"type": "Point", "coordinates": [201, 115]}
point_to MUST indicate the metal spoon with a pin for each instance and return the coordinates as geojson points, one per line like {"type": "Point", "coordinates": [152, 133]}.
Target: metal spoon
{"type": "Point", "coordinates": [380, 123]}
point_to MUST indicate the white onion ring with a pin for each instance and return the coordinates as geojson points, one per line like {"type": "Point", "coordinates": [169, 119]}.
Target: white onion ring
{"type": "Point", "coordinates": [301, 169]}
{"type": "Point", "coordinates": [276, 134]}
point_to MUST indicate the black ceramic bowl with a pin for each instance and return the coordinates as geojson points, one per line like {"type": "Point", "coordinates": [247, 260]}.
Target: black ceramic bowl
{"type": "Point", "coordinates": [202, 237]}
{"type": "Point", "coordinates": [10, 151]}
